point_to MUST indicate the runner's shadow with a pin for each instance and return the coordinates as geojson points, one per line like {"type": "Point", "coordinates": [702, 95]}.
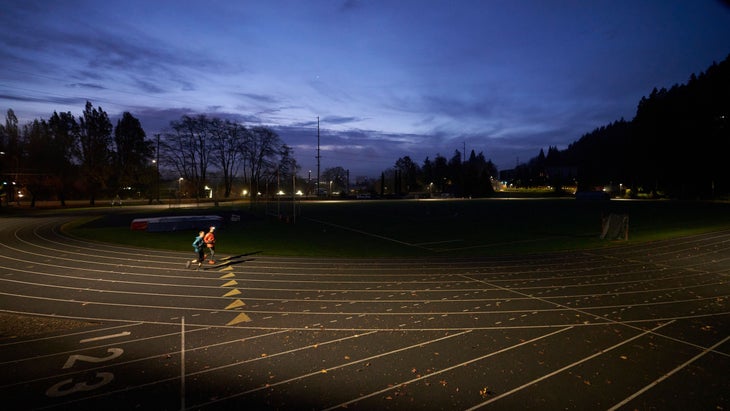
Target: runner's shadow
{"type": "Point", "coordinates": [234, 259]}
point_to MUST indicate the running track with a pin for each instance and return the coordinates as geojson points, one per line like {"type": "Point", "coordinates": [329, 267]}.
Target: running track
{"type": "Point", "coordinates": [635, 327]}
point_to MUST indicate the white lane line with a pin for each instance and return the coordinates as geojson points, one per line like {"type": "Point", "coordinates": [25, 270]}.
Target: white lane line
{"type": "Point", "coordinates": [567, 367]}
{"type": "Point", "coordinates": [105, 337]}
{"type": "Point", "coordinates": [667, 375]}
{"type": "Point", "coordinates": [395, 386]}
{"type": "Point", "coordinates": [142, 360]}
{"type": "Point", "coordinates": [319, 372]}
{"type": "Point", "coordinates": [65, 335]}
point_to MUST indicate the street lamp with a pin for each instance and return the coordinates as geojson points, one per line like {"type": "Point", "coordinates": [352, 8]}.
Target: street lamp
{"type": "Point", "coordinates": [179, 187]}
{"type": "Point", "coordinates": [157, 169]}
{"type": "Point", "coordinates": [157, 180]}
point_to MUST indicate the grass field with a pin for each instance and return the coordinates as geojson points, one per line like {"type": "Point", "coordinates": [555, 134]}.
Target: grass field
{"type": "Point", "coordinates": [413, 228]}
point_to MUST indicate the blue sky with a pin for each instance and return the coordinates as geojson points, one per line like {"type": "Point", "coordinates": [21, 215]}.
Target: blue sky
{"type": "Point", "coordinates": [386, 78]}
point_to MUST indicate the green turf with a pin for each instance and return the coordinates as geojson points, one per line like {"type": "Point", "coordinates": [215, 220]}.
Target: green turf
{"type": "Point", "coordinates": [450, 228]}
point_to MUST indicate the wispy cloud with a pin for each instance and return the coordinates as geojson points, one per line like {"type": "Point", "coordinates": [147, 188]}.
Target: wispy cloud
{"type": "Point", "coordinates": [386, 79]}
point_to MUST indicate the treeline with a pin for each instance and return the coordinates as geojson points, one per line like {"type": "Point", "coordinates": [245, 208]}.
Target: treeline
{"type": "Point", "coordinates": [676, 145]}
{"type": "Point", "coordinates": [66, 157]}
{"type": "Point", "coordinates": [456, 176]}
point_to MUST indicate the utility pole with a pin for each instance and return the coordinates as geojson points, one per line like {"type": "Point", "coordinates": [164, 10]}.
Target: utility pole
{"type": "Point", "coordinates": [157, 169]}
{"type": "Point", "coordinates": [318, 157]}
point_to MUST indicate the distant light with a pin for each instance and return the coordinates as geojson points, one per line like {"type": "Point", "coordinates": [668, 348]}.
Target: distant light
{"type": "Point", "coordinates": [299, 192]}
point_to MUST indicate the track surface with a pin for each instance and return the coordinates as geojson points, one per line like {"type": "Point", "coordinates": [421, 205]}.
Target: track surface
{"type": "Point", "coordinates": [635, 327]}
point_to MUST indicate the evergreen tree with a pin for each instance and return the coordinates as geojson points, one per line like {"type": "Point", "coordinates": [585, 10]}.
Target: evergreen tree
{"type": "Point", "coordinates": [94, 149]}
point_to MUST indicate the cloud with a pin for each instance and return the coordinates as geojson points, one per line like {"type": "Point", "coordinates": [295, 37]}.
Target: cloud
{"type": "Point", "coordinates": [387, 79]}
{"type": "Point", "coordinates": [258, 98]}
{"type": "Point", "coordinates": [45, 100]}
{"type": "Point", "coordinates": [87, 85]}
{"type": "Point", "coordinates": [339, 120]}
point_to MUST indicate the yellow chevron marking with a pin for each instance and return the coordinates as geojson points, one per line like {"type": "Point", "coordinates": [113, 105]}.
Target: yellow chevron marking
{"type": "Point", "coordinates": [240, 318]}
{"type": "Point", "coordinates": [232, 293]}
{"type": "Point", "coordinates": [235, 304]}
{"type": "Point", "coordinates": [226, 269]}
{"type": "Point", "coordinates": [230, 283]}
{"type": "Point", "coordinates": [229, 275]}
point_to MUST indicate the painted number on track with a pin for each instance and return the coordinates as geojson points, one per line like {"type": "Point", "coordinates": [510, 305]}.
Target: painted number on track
{"type": "Point", "coordinates": [113, 353]}
{"type": "Point", "coordinates": [70, 386]}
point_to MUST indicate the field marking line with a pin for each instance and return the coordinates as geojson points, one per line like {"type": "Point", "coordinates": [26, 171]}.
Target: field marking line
{"type": "Point", "coordinates": [458, 240]}
{"type": "Point", "coordinates": [369, 234]}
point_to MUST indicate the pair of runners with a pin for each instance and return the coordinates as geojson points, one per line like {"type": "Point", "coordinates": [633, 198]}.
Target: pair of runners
{"type": "Point", "coordinates": [202, 241]}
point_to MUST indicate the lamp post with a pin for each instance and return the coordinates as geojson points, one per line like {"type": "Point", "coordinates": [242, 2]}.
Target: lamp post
{"type": "Point", "coordinates": [157, 170]}
{"type": "Point", "coordinates": [4, 183]}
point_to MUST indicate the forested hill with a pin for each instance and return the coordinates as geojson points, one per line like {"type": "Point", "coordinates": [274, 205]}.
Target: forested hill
{"type": "Point", "coordinates": [677, 145]}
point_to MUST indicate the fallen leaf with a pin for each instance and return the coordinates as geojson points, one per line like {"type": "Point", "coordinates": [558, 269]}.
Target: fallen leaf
{"type": "Point", "coordinates": [485, 392]}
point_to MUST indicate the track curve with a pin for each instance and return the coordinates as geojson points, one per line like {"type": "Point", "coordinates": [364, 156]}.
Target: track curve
{"type": "Point", "coordinates": [548, 316]}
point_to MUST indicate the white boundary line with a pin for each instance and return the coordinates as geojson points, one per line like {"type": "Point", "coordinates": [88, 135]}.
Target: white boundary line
{"type": "Point", "coordinates": [453, 367]}
{"type": "Point", "coordinates": [667, 375]}
{"type": "Point", "coordinates": [559, 370]}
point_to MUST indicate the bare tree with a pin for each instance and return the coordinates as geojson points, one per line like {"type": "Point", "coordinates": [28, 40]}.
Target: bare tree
{"type": "Point", "coordinates": [187, 149]}
{"type": "Point", "coordinates": [261, 153]}
{"type": "Point", "coordinates": [336, 178]}
{"type": "Point", "coordinates": [228, 140]}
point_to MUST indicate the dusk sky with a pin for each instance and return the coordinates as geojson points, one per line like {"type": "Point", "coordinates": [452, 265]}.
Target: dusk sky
{"type": "Point", "coordinates": [386, 78]}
